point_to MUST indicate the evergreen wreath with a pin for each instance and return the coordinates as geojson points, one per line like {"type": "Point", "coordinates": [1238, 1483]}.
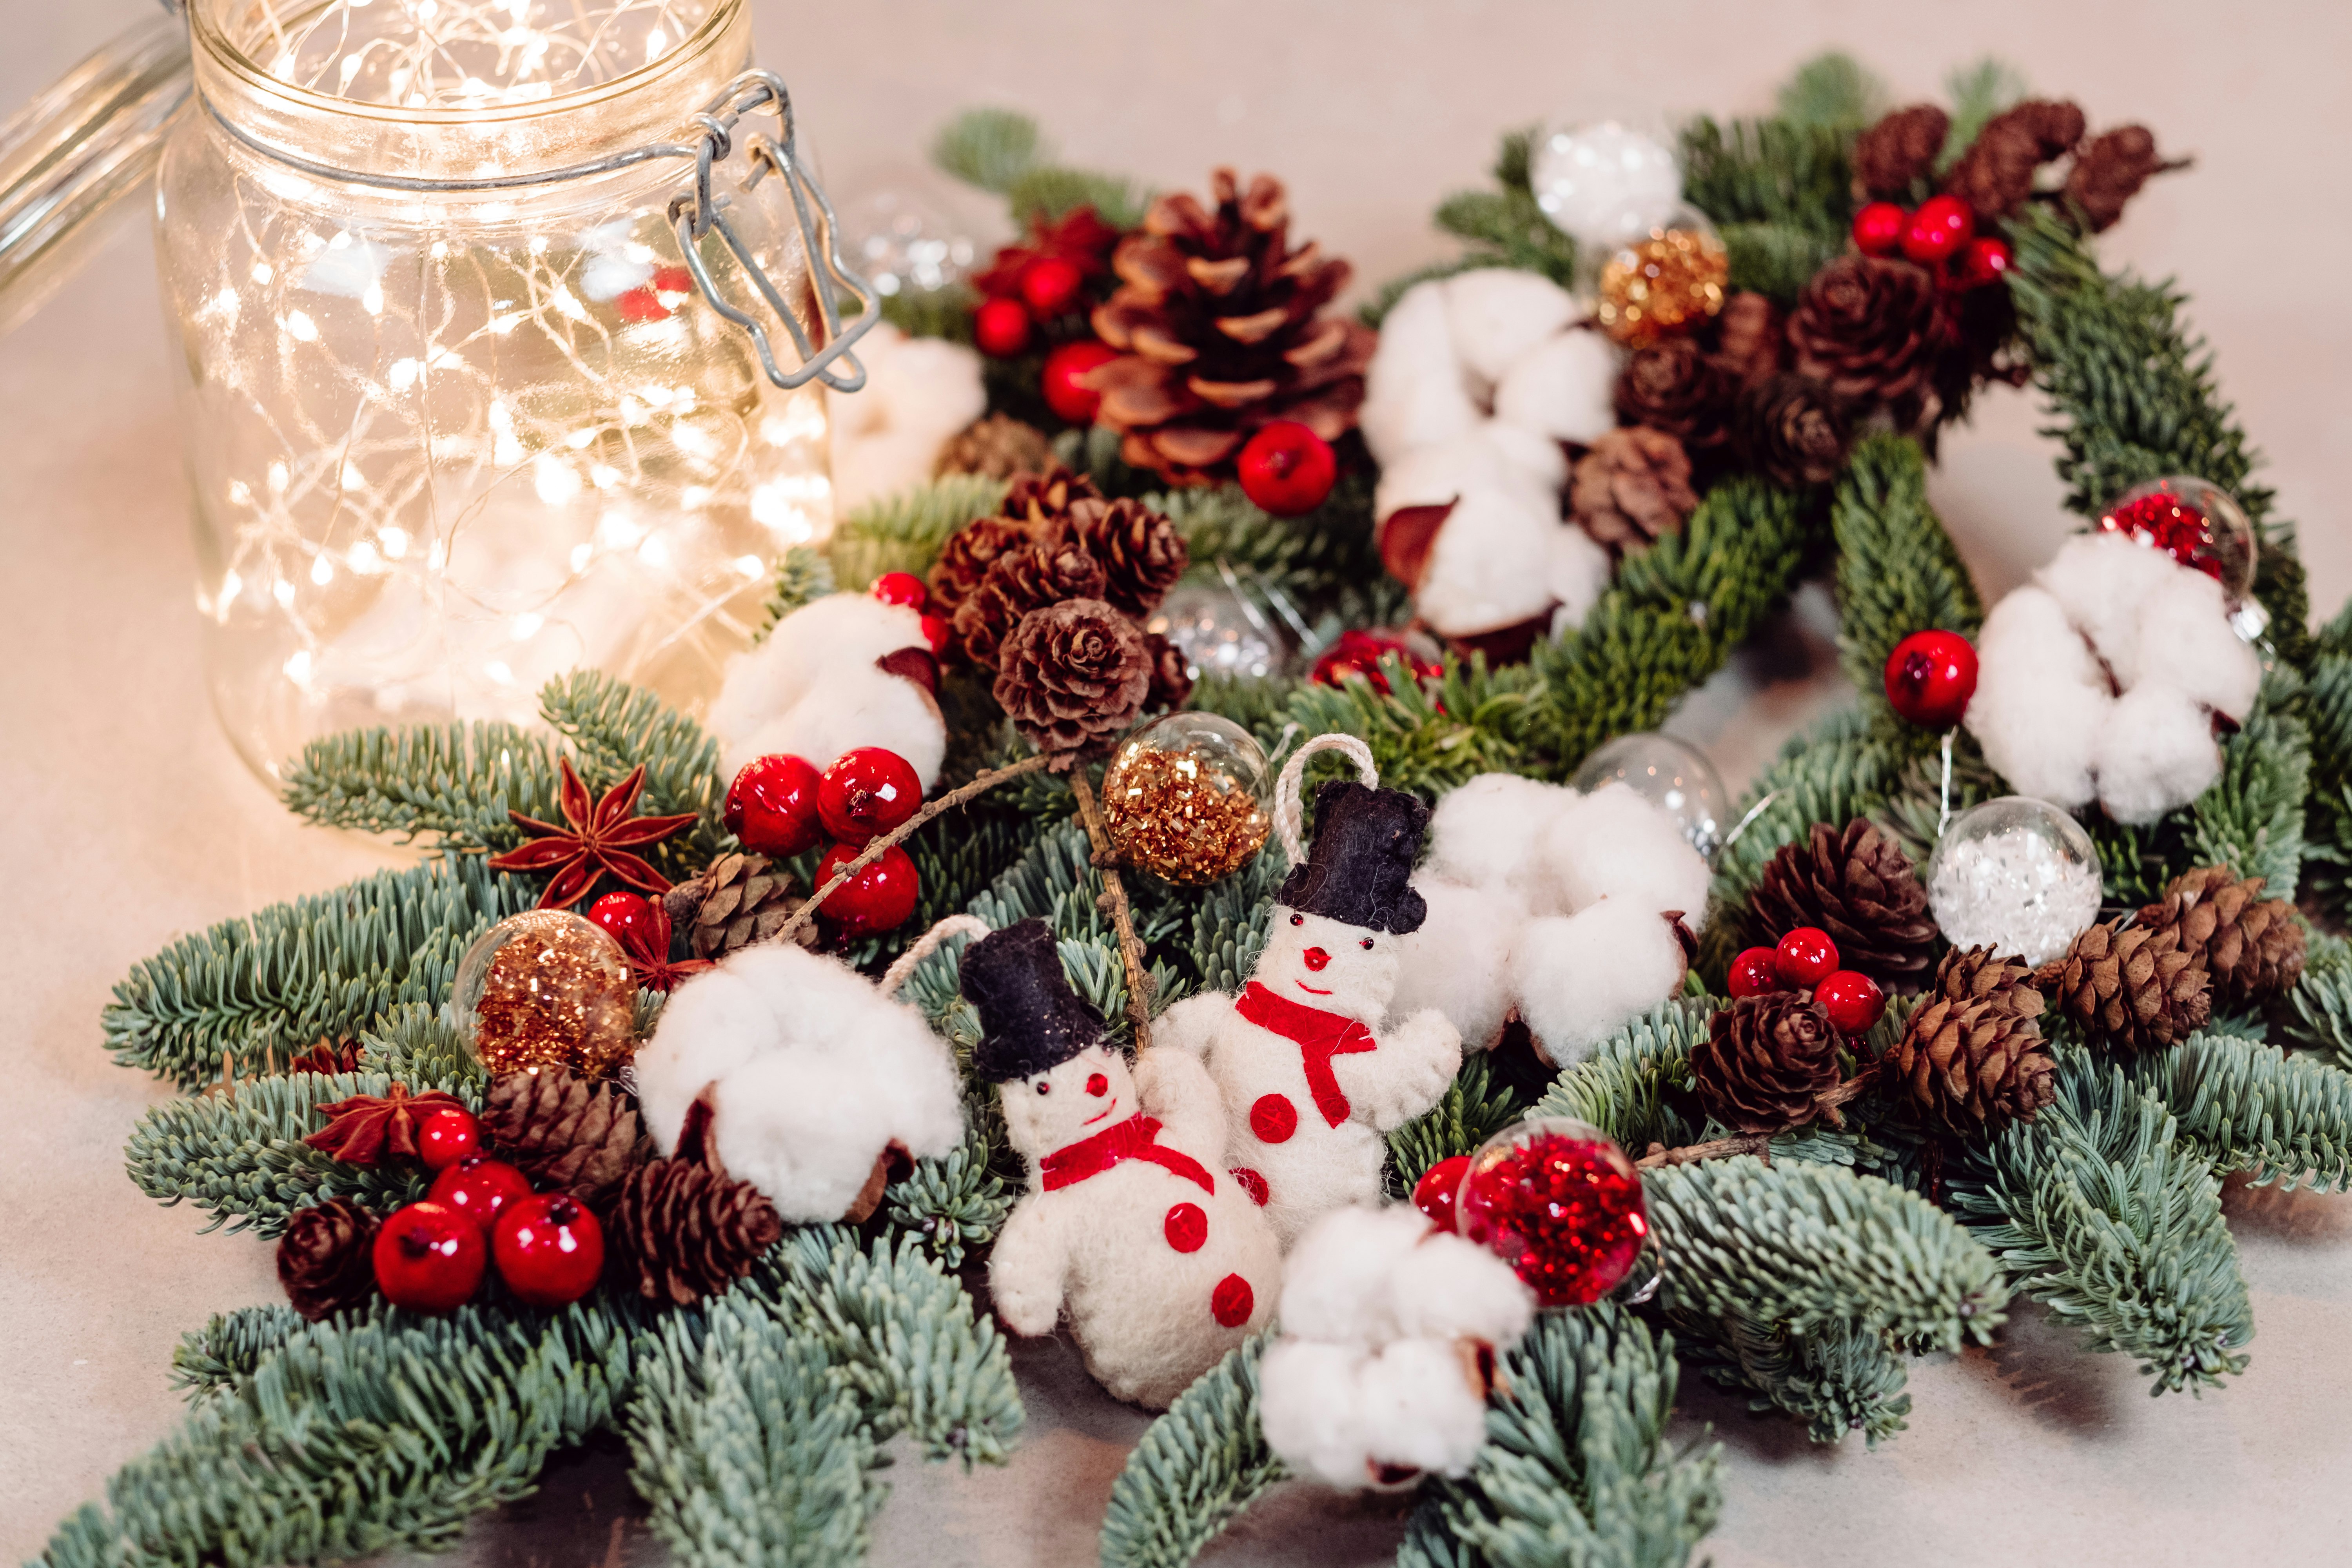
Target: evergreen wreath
{"type": "Point", "coordinates": [1803, 1276]}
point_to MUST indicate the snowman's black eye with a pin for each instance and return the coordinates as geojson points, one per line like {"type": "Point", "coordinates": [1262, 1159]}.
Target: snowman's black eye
{"type": "Point", "coordinates": [1298, 920]}
{"type": "Point", "coordinates": [1368, 944]}
{"type": "Point", "coordinates": [1043, 1087]}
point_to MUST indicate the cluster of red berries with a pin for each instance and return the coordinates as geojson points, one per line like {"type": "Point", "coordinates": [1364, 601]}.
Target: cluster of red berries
{"type": "Point", "coordinates": [1806, 959]}
{"type": "Point", "coordinates": [1940, 234]}
{"type": "Point", "coordinates": [431, 1255]}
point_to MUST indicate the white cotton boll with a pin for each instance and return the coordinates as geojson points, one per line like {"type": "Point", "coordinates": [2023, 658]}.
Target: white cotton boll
{"type": "Point", "coordinates": [2155, 754]}
{"type": "Point", "coordinates": [1441, 471]}
{"type": "Point", "coordinates": [1498, 313]}
{"type": "Point", "coordinates": [822, 657]}
{"type": "Point", "coordinates": [873, 467]}
{"type": "Point", "coordinates": [1417, 1408]}
{"type": "Point", "coordinates": [1614, 844]}
{"type": "Point", "coordinates": [1486, 569]}
{"type": "Point", "coordinates": [1309, 1409]}
{"type": "Point", "coordinates": [1536, 460]}
{"type": "Point", "coordinates": [1565, 389]}
{"type": "Point", "coordinates": [1485, 833]}
{"type": "Point", "coordinates": [1577, 571]}
{"type": "Point", "coordinates": [2040, 700]}
{"type": "Point", "coordinates": [859, 708]}
{"type": "Point", "coordinates": [1448, 1288]}
{"type": "Point", "coordinates": [1459, 961]}
{"type": "Point", "coordinates": [2101, 581]}
{"type": "Point", "coordinates": [1335, 1284]}
{"type": "Point", "coordinates": [1581, 978]}
{"type": "Point", "coordinates": [1414, 394]}
{"type": "Point", "coordinates": [712, 1024]}
{"type": "Point", "coordinates": [919, 393]}
{"type": "Point", "coordinates": [2187, 642]}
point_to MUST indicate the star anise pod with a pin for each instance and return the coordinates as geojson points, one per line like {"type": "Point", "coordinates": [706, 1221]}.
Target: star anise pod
{"type": "Point", "coordinates": [646, 947]}
{"type": "Point", "coordinates": [596, 839]}
{"type": "Point", "coordinates": [362, 1130]}
{"type": "Point", "coordinates": [329, 1057]}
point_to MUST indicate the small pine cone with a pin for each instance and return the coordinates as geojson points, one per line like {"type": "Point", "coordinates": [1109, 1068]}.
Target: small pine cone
{"type": "Point", "coordinates": [323, 1258]}
{"type": "Point", "coordinates": [1869, 328]}
{"type": "Point", "coordinates": [1995, 175]}
{"type": "Point", "coordinates": [739, 899]}
{"type": "Point", "coordinates": [1857, 884]}
{"type": "Point", "coordinates": [1051, 568]}
{"type": "Point", "coordinates": [564, 1132]}
{"type": "Point", "coordinates": [681, 1229]}
{"type": "Point", "coordinates": [1140, 551]}
{"type": "Point", "coordinates": [1675, 387]}
{"type": "Point", "coordinates": [1748, 338]}
{"type": "Point", "coordinates": [997, 447]}
{"type": "Point", "coordinates": [1171, 674]}
{"type": "Point", "coordinates": [2251, 946]}
{"type": "Point", "coordinates": [1632, 487]}
{"type": "Point", "coordinates": [1970, 1057]}
{"type": "Point", "coordinates": [1790, 430]}
{"type": "Point", "coordinates": [1766, 1062]}
{"type": "Point", "coordinates": [1900, 149]}
{"type": "Point", "coordinates": [1074, 675]}
{"type": "Point", "coordinates": [2110, 171]}
{"type": "Point", "coordinates": [2130, 986]}
{"type": "Point", "coordinates": [1035, 503]}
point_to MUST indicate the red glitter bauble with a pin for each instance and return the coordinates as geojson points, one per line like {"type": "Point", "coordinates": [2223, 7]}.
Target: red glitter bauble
{"type": "Point", "coordinates": [1931, 677]}
{"type": "Point", "coordinates": [2169, 523]}
{"type": "Point", "coordinates": [1562, 1204]}
{"type": "Point", "coordinates": [1853, 1000]}
{"type": "Point", "coordinates": [1063, 382]}
{"type": "Point", "coordinates": [1806, 956]}
{"type": "Point", "coordinates": [1754, 973]}
{"type": "Point", "coordinates": [1878, 229]}
{"type": "Point", "coordinates": [1938, 231]}
{"type": "Point", "coordinates": [1438, 1188]}
{"type": "Point", "coordinates": [1359, 652]}
{"type": "Point", "coordinates": [1001, 327]}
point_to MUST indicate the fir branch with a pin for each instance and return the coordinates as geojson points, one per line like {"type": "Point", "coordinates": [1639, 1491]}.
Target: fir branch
{"type": "Point", "coordinates": [1624, 1087]}
{"type": "Point", "coordinates": [1779, 172]}
{"type": "Point", "coordinates": [959, 1201]}
{"type": "Point", "coordinates": [2251, 1107]}
{"type": "Point", "coordinates": [804, 575]}
{"type": "Point", "coordinates": [1198, 1466]}
{"type": "Point", "coordinates": [446, 785]}
{"type": "Point", "coordinates": [1898, 571]}
{"type": "Point", "coordinates": [1047, 194]}
{"type": "Point", "coordinates": [1844, 769]}
{"type": "Point", "coordinates": [222, 1355]}
{"type": "Point", "coordinates": [425, 1048]}
{"type": "Point", "coordinates": [615, 727]}
{"type": "Point", "coordinates": [1774, 260]}
{"type": "Point", "coordinates": [1842, 1378]}
{"type": "Point", "coordinates": [1476, 1105]}
{"type": "Point", "coordinates": [990, 148]}
{"type": "Point", "coordinates": [2323, 1001]}
{"type": "Point", "coordinates": [902, 531]}
{"type": "Point", "coordinates": [2252, 816]}
{"type": "Point", "coordinates": [1978, 92]}
{"type": "Point", "coordinates": [1833, 90]}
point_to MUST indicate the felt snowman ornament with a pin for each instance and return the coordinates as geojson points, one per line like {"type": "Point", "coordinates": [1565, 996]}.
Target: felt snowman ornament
{"type": "Point", "coordinates": [840, 672]}
{"type": "Point", "coordinates": [1131, 1227]}
{"type": "Point", "coordinates": [1311, 1066]}
{"type": "Point", "coordinates": [919, 393]}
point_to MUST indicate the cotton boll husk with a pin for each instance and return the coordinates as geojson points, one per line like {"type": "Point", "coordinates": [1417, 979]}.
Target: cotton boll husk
{"type": "Point", "coordinates": [1487, 568]}
{"type": "Point", "coordinates": [1498, 313]}
{"type": "Point", "coordinates": [1614, 844]}
{"type": "Point", "coordinates": [1308, 1407]}
{"type": "Point", "coordinates": [1581, 978]}
{"type": "Point", "coordinates": [859, 708]}
{"type": "Point", "coordinates": [2101, 580]}
{"type": "Point", "coordinates": [1414, 394]}
{"type": "Point", "coordinates": [1577, 572]}
{"type": "Point", "coordinates": [2040, 700]}
{"type": "Point", "coordinates": [1459, 961]}
{"type": "Point", "coordinates": [1485, 834]}
{"type": "Point", "coordinates": [2187, 642]}
{"type": "Point", "coordinates": [711, 1024]}
{"type": "Point", "coordinates": [1416, 1406]}
{"type": "Point", "coordinates": [1335, 1284]}
{"type": "Point", "coordinates": [1448, 1288]}
{"type": "Point", "coordinates": [1564, 389]}
{"type": "Point", "coordinates": [2156, 753]}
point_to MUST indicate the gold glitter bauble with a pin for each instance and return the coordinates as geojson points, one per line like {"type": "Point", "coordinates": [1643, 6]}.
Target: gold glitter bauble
{"type": "Point", "coordinates": [547, 988]}
{"type": "Point", "coordinates": [1186, 798]}
{"type": "Point", "coordinates": [1661, 285]}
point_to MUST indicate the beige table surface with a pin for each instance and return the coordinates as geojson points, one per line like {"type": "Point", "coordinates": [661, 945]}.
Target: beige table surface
{"type": "Point", "coordinates": [130, 821]}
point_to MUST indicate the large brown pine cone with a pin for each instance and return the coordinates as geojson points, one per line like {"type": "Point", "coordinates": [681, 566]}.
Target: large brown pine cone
{"type": "Point", "coordinates": [1995, 175]}
{"type": "Point", "coordinates": [1857, 884]}
{"type": "Point", "coordinates": [681, 1228]}
{"type": "Point", "coordinates": [1632, 487]}
{"type": "Point", "coordinates": [1055, 566]}
{"type": "Point", "coordinates": [1766, 1062]}
{"type": "Point", "coordinates": [2110, 171]}
{"type": "Point", "coordinates": [1970, 1057]}
{"type": "Point", "coordinates": [737, 900]}
{"type": "Point", "coordinates": [2130, 986]}
{"type": "Point", "coordinates": [1216, 323]}
{"type": "Point", "coordinates": [323, 1260]}
{"type": "Point", "coordinates": [1073, 675]}
{"type": "Point", "coordinates": [2251, 946]}
{"type": "Point", "coordinates": [1140, 551]}
{"type": "Point", "coordinates": [997, 447]}
{"type": "Point", "coordinates": [1899, 149]}
{"type": "Point", "coordinates": [1792, 430]}
{"type": "Point", "coordinates": [1675, 387]}
{"type": "Point", "coordinates": [564, 1132]}
{"type": "Point", "coordinates": [1869, 328]}
{"type": "Point", "coordinates": [1035, 503]}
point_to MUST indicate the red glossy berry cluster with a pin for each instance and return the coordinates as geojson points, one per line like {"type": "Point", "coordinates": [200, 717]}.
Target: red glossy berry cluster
{"type": "Point", "coordinates": [1807, 959]}
{"type": "Point", "coordinates": [431, 1255]}
{"type": "Point", "coordinates": [781, 807]}
{"type": "Point", "coordinates": [2171, 524]}
{"type": "Point", "coordinates": [1940, 235]}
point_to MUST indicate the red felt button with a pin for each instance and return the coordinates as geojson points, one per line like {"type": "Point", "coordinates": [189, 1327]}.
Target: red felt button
{"type": "Point", "coordinates": [1188, 1228]}
{"type": "Point", "coordinates": [1274, 1118]}
{"type": "Point", "coordinates": [1232, 1301]}
{"type": "Point", "coordinates": [1252, 1183]}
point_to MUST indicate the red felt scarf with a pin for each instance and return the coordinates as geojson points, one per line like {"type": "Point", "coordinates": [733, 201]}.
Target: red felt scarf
{"type": "Point", "coordinates": [1133, 1139]}
{"type": "Point", "coordinates": [1319, 1037]}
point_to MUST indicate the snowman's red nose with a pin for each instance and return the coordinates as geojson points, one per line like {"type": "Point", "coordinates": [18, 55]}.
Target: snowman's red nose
{"type": "Point", "coordinates": [1315, 959]}
{"type": "Point", "coordinates": [1098, 1085]}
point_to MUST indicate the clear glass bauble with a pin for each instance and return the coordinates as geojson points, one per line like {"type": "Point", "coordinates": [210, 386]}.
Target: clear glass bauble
{"type": "Point", "coordinates": [2016, 875]}
{"type": "Point", "coordinates": [1188, 798]}
{"type": "Point", "coordinates": [904, 244]}
{"type": "Point", "coordinates": [1673, 776]}
{"type": "Point", "coordinates": [1672, 277]}
{"type": "Point", "coordinates": [1219, 631]}
{"type": "Point", "coordinates": [1560, 1202]}
{"type": "Point", "coordinates": [1605, 183]}
{"type": "Point", "coordinates": [2195, 522]}
{"type": "Point", "coordinates": [547, 988]}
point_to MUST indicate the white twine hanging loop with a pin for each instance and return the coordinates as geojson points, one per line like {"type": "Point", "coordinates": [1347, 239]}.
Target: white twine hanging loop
{"type": "Point", "coordinates": [926, 944]}
{"type": "Point", "coordinates": [1290, 812]}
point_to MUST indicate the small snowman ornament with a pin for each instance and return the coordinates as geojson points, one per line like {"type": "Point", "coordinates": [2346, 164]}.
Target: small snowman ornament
{"type": "Point", "coordinates": [1131, 1229]}
{"type": "Point", "coordinates": [1312, 1068]}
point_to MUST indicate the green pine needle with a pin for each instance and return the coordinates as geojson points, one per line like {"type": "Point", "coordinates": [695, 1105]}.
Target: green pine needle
{"type": "Point", "coordinates": [1197, 1468]}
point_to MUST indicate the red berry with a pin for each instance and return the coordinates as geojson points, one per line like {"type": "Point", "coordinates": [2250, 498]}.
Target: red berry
{"type": "Point", "coordinates": [1878, 229]}
{"type": "Point", "coordinates": [1001, 327]}
{"type": "Point", "coordinates": [1755, 973]}
{"type": "Point", "coordinates": [935, 632]}
{"type": "Point", "coordinates": [446, 1137]}
{"type": "Point", "coordinates": [1939, 230]}
{"type": "Point", "coordinates": [1853, 1000]}
{"type": "Point", "coordinates": [1931, 677]}
{"type": "Point", "coordinates": [878, 899]}
{"type": "Point", "coordinates": [1286, 468]}
{"type": "Point", "coordinates": [1565, 1213]}
{"type": "Point", "coordinates": [866, 793]}
{"type": "Point", "coordinates": [429, 1257]}
{"type": "Point", "coordinates": [550, 1250]}
{"type": "Point", "coordinates": [1986, 260]}
{"type": "Point", "coordinates": [1065, 381]}
{"type": "Point", "coordinates": [1050, 285]}
{"type": "Point", "coordinates": [771, 807]}
{"type": "Point", "coordinates": [1806, 956]}
{"type": "Point", "coordinates": [478, 1189]}
{"type": "Point", "coordinates": [1434, 1195]}
{"type": "Point", "coordinates": [901, 588]}
{"type": "Point", "coordinates": [627, 917]}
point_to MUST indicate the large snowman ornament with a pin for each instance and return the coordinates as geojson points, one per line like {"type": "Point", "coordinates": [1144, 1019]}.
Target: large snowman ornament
{"type": "Point", "coordinates": [1131, 1227]}
{"type": "Point", "coordinates": [1312, 1069]}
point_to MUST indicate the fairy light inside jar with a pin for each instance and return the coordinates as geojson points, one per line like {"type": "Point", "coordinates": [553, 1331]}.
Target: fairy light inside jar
{"type": "Point", "coordinates": [475, 54]}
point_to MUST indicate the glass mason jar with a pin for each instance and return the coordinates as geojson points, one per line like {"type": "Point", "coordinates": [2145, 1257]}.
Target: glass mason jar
{"type": "Point", "coordinates": [481, 304]}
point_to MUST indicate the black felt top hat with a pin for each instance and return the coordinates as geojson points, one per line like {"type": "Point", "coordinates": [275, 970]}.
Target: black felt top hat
{"type": "Point", "coordinates": [1361, 862]}
{"type": "Point", "coordinates": [1030, 1019]}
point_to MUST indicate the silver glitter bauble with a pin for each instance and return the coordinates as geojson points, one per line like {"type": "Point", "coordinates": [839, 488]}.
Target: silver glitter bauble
{"type": "Point", "coordinates": [903, 245]}
{"type": "Point", "coordinates": [2016, 875]}
{"type": "Point", "coordinates": [1604, 184]}
{"type": "Point", "coordinates": [1220, 632]}
{"type": "Point", "coordinates": [1671, 774]}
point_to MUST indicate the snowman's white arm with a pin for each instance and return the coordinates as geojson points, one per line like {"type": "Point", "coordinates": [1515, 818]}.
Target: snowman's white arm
{"type": "Point", "coordinates": [1191, 1026]}
{"type": "Point", "coordinates": [1177, 1093]}
{"type": "Point", "coordinates": [1027, 1269]}
{"type": "Point", "coordinates": [1410, 1071]}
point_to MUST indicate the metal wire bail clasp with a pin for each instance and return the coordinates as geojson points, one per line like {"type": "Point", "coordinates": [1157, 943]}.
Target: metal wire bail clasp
{"type": "Point", "coordinates": [698, 212]}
